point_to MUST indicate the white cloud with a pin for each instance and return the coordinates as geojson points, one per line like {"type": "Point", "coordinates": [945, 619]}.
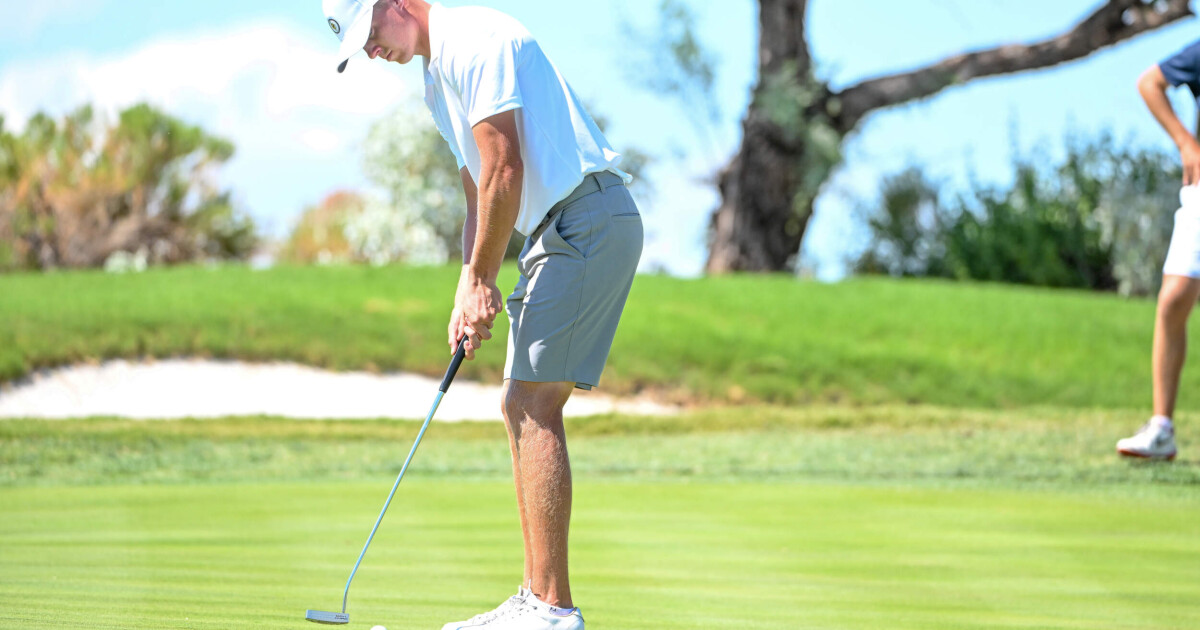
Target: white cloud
{"type": "Point", "coordinates": [322, 140]}
{"type": "Point", "coordinates": [277, 70]}
{"type": "Point", "coordinates": [32, 16]}
{"type": "Point", "coordinates": [276, 94]}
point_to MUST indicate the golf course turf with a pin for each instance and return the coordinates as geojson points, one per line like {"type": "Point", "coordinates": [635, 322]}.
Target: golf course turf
{"type": "Point", "coordinates": [726, 339]}
{"type": "Point", "coordinates": [645, 555]}
{"type": "Point", "coordinates": [679, 523]}
{"type": "Point", "coordinates": [874, 454]}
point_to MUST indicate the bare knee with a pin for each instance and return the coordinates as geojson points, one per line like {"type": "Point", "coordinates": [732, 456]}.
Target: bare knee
{"type": "Point", "coordinates": [1175, 302]}
{"type": "Point", "coordinates": [538, 403]}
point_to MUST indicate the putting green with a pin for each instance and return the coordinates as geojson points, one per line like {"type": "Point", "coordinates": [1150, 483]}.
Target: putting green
{"type": "Point", "coordinates": [645, 555]}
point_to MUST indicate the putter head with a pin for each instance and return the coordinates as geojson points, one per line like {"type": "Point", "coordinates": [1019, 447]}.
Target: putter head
{"type": "Point", "coordinates": [320, 616]}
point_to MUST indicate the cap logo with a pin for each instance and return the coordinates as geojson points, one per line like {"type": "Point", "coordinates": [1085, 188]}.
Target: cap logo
{"type": "Point", "coordinates": [337, 28]}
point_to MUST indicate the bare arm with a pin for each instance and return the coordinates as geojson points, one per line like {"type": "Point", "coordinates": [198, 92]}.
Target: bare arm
{"type": "Point", "coordinates": [499, 192]}
{"type": "Point", "coordinates": [1153, 87]}
{"type": "Point", "coordinates": [456, 329]}
{"type": "Point", "coordinates": [468, 235]}
{"type": "Point", "coordinates": [498, 201]}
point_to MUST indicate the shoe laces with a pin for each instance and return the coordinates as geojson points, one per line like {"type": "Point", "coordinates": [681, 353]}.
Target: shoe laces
{"type": "Point", "coordinates": [1150, 428]}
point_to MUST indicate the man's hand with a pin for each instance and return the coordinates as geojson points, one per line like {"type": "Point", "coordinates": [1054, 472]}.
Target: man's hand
{"type": "Point", "coordinates": [476, 305]}
{"type": "Point", "coordinates": [1189, 154]}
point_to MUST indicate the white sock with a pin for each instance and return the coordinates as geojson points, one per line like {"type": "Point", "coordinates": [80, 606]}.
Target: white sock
{"type": "Point", "coordinates": [554, 610]}
{"type": "Point", "coordinates": [1161, 421]}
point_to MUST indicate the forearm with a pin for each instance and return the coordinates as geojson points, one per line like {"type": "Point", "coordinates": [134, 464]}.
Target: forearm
{"type": "Point", "coordinates": [469, 225]}
{"type": "Point", "coordinates": [496, 216]}
{"type": "Point", "coordinates": [497, 203]}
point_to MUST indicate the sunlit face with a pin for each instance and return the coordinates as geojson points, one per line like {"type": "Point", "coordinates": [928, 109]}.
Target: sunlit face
{"type": "Point", "coordinates": [394, 32]}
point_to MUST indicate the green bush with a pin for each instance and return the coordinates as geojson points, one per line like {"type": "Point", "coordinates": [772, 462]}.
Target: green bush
{"type": "Point", "coordinates": [1099, 219]}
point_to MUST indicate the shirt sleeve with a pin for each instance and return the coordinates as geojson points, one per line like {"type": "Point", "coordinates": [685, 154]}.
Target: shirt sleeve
{"type": "Point", "coordinates": [1183, 68]}
{"type": "Point", "coordinates": [488, 84]}
{"type": "Point", "coordinates": [451, 143]}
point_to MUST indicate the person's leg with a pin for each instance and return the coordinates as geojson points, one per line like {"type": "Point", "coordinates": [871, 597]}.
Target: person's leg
{"type": "Point", "coordinates": [542, 474]}
{"type": "Point", "coordinates": [576, 273]}
{"type": "Point", "coordinates": [1175, 302]}
{"type": "Point", "coordinates": [513, 432]}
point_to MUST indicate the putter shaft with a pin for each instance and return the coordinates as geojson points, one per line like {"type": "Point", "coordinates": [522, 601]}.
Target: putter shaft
{"type": "Point", "coordinates": [451, 372]}
{"type": "Point", "coordinates": [437, 401]}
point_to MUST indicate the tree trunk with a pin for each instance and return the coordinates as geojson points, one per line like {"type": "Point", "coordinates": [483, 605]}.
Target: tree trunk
{"type": "Point", "coordinates": [756, 229]}
{"type": "Point", "coordinates": [789, 149]}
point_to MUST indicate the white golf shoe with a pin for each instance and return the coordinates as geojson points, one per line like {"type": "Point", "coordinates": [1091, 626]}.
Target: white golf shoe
{"type": "Point", "coordinates": [1155, 440]}
{"type": "Point", "coordinates": [534, 614]}
{"type": "Point", "coordinates": [482, 620]}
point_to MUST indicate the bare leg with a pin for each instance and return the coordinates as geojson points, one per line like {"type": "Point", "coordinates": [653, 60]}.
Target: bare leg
{"type": "Point", "coordinates": [1175, 301]}
{"type": "Point", "coordinates": [542, 471]}
{"type": "Point", "coordinates": [513, 433]}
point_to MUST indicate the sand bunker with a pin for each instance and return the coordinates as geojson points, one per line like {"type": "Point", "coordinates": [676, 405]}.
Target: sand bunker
{"type": "Point", "coordinates": [164, 390]}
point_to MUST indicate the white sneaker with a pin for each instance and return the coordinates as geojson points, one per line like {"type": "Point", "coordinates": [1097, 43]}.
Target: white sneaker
{"type": "Point", "coordinates": [534, 614]}
{"type": "Point", "coordinates": [1155, 440]}
{"type": "Point", "coordinates": [479, 621]}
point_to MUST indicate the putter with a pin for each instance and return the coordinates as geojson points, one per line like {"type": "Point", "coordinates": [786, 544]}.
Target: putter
{"type": "Point", "coordinates": [332, 618]}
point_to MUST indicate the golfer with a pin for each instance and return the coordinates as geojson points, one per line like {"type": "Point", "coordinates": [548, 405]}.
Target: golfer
{"type": "Point", "coordinates": [1181, 271]}
{"type": "Point", "coordinates": [531, 159]}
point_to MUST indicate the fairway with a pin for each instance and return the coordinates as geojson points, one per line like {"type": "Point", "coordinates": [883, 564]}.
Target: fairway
{"type": "Point", "coordinates": [662, 555]}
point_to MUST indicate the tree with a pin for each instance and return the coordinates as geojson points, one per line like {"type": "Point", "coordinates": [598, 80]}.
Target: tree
{"type": "Point", "coordinates": [406, 157]}
{"type": "Point", "coordinates": [422, 218]}
{"type": "Point", "coordinates": [906, 227]}
{"type": "Point", "coordinates": [796, 124]}
{"type": "Point", "coordinates": [320, 233]}
{"type": "Point", "coordinates": [75, 191]}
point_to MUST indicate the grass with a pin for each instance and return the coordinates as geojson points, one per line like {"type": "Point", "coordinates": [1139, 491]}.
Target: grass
{"type": "Point", "coordinates": [645, 555]}
{"type": "Point", "coordinates": [913, 445]}
{"type": "Point", "coordinates": [233, 544]}
{"type": "Point", "coordinates": [951, 468]}
{"type": "Point", "coordinates": [737, 339]}
{"type": "Point", "coordinates": [748, 518]}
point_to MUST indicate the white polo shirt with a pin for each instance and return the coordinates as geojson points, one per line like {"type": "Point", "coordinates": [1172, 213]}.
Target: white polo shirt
{"type": "Point", "coordinates": [482, 63]}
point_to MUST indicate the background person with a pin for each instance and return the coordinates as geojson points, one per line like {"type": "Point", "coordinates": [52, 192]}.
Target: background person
{"type": "Point", "coordinates": [1181, 271]}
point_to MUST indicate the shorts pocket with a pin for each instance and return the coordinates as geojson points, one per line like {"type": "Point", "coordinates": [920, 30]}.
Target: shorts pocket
{"type": "Point", "coordinates": [626, 209]}
{"type": "Point", "coordinates": [573, 226]}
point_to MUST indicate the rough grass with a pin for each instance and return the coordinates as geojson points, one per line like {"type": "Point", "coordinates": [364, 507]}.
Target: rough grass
{"type": "Point", "coordinates": [1011, 449]}
{"type": "Point", "coordinates": [730, 339]}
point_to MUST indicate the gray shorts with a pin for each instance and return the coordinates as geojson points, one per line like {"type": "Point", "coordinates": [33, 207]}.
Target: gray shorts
{"type": "Point", "coordinates": [576, 271]}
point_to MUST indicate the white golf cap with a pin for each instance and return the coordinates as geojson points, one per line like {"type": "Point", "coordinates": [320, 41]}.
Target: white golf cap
{"type": "Point", "coordinates": [351, 22]}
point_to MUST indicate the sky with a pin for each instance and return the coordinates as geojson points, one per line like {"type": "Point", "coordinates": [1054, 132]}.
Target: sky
{"type": "Point", "coordinates": [262, 74]}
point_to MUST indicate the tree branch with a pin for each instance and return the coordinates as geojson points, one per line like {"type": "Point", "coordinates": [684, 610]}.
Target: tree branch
{"type": "Point", "coordinates": [1114, 21]}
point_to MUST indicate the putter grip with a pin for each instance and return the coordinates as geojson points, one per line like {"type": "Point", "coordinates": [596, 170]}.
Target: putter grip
{"type": "Point", "coordinates": [454, 363]}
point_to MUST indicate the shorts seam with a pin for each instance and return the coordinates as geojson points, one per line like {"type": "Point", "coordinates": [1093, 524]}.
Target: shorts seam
{"type": "Point", "coordinates": [582, 288]}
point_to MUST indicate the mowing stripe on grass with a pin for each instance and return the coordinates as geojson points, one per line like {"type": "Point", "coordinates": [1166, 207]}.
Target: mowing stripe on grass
{"type": "Point", "coordinates": [663, 555]}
